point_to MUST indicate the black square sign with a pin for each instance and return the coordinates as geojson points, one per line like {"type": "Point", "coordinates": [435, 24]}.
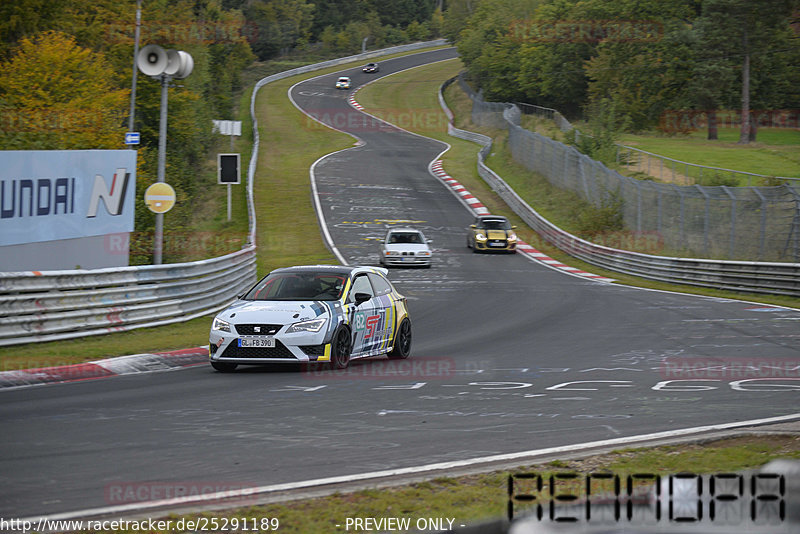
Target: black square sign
{"type": "Point", "coordinates": [228, 169]}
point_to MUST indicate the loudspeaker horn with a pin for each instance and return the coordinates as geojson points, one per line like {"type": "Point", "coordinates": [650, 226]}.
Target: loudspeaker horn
{"type": "Point", "coordinates": [186, 63]}
{"type": "Point", "coordinates": [152, 60]}
{"type": "Point", "coordinates": [173, 62]}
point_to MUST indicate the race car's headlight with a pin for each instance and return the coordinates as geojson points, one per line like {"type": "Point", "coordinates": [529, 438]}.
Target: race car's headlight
{"type": "Point", "coordinates": [480, 237]}
{"type": "Point", "coordinates": [221, 325]}
{"type": "Point", "coordinates": [512, 236]}
{"type": "Point", "coordinates": [313, 325]}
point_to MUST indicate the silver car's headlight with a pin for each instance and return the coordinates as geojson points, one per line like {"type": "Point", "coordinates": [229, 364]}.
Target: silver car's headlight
{"type": "Point", "coordinates": [221, 325]}
{"type": "Point", "coordinates": [423, 253]}
{"type": "Point", "coordinates": [314, 325]}
{"type": "Point", "coordinates": [392, 253]}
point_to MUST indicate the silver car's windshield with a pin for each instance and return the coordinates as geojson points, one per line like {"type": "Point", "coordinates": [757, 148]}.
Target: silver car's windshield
{"type": "Point", "coordinates": [405, 237]}
{"type": "Point", "coordinates": [298, 286]}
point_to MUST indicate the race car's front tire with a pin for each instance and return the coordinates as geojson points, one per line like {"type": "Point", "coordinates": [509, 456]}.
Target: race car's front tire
{"type": "Point", "coordinates": [224, 367]}
{"type": "Point", "coordinates": [402, 342]}
{"type": "Point", "coordinates": [340, 349]}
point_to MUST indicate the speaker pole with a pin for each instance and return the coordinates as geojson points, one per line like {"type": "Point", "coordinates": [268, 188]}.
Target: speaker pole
{"type": "Point", "coordinates": [162, 163]}
{"type": "Point", "coordinates": [135, 65]}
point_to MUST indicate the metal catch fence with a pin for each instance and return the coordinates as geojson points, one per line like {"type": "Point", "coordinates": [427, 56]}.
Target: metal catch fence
{"type": "Point", "coordinates": [736, 223]}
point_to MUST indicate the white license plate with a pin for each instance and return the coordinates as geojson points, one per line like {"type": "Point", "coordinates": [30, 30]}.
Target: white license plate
{"type": "Point", "coordinates": [267, 342]}
{"type": "Point", "coordinates": [497, 244]}
{"type": "Point", "coordinates": [408, 259]}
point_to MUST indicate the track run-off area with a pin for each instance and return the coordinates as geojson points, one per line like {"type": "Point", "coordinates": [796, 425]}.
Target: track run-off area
{"type": "Point", "coordinates": [509, 355]}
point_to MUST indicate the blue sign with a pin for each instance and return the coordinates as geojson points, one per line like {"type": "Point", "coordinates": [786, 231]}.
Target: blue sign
{"type": "Point", "coordinates": [132, 138]}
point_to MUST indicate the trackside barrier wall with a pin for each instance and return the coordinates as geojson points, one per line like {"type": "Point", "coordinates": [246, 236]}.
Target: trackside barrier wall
{"type": "Point", "coordinates": [52, 305]}
{"type": "Point", "coordinates": [758, 277]}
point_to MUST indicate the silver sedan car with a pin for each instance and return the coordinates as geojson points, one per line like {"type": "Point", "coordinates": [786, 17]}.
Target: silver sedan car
{"type": "Point", "coordinates": [405, 247]}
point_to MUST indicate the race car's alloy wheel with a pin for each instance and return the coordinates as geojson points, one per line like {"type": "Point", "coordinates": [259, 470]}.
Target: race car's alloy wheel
{"type": "Point", "coordinates": [340, 350]}
{"type": "Point", "coordinates": [224, 367]}
{"type": "Point", "coordinates": [402, 341]}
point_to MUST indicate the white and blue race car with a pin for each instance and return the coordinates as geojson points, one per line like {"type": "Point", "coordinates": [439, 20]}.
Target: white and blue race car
{"type": "Point", "coordinates": [313, 314]}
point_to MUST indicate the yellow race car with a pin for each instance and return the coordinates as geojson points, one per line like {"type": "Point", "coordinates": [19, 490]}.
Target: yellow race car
{"type": "Point", "coordinates": [492, 233]}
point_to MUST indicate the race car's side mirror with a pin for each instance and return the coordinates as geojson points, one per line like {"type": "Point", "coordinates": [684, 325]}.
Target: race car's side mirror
{"type": "Point", "coordinates": [362, 298]}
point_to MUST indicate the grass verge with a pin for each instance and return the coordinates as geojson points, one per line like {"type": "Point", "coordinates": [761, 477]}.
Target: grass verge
{"type": "Point", "coordinates": [481, 497]}
{"type": "Point", "coordinates": [774, 154]}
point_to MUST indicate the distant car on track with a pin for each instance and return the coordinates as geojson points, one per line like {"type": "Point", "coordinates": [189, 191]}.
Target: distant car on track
{"type": "Point", "coordinates": [327, 314]}
{"type": "Point", "coordinates": [371, 67]}
{"type": "Point", "coordinates": [491, 233]}
{"type": "Point", "coordinates": [405, 247]}
{"type": "Point", "coordinates": [343, 82]}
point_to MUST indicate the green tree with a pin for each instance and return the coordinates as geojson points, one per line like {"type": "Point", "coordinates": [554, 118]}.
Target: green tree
{"type": "Point", "coordinates": [747, 31]}
{"type": "Point", "coordinates": [58, 95]}
{"type": "Point", "coordinates": [279, 25]}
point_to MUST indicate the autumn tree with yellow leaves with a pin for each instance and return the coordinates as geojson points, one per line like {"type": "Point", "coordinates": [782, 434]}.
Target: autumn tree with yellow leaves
{"type": "Point", "coordinates": [55, 94]}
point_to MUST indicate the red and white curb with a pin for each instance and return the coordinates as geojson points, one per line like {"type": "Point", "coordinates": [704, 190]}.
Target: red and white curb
{"type": "Point", "coordinates": [352, 101]}
{"type": "Point", "coordinates": [472, 201]}
{"type": "Point", "coordinates": [123, 365]}
{"type": "Point", "coordinates": [478, 208]}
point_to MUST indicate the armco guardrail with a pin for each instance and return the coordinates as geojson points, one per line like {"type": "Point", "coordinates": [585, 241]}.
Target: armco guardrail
{"type": "Point", "coordinates": [757, 277]}
{"type": "Point", "coordinates": [51, 305]}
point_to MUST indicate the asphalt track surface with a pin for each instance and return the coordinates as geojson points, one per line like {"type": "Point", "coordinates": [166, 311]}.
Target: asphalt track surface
{"type": "Point", "coordinates": [508, 355]}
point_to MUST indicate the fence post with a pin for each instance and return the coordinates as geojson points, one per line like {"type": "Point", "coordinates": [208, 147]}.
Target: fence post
{"type": "Point", "coordinates": [706, 218]}
{"type": "Point", "coordinates": [638, 206]}
{"type": "Point", "coordinates": [794, 233]}
{"type": "Point", "coordinates": [762, 233]}
{"type": "Point", "coordinates": [733, 222]}
{"type": "Point", "coordinates": [681, 217]}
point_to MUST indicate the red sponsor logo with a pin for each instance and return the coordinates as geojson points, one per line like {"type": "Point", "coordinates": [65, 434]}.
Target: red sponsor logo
{"type": "Point", "coordinates": [372, 324]}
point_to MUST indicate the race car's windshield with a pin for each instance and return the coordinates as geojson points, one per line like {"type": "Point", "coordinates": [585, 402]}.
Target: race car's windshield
{"type": "Point", "coordinates": [495, 224]}
{"type": "Point", "coordinates": [298, 286]}
{"type": "Point", "coordinates": [405, 237]}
